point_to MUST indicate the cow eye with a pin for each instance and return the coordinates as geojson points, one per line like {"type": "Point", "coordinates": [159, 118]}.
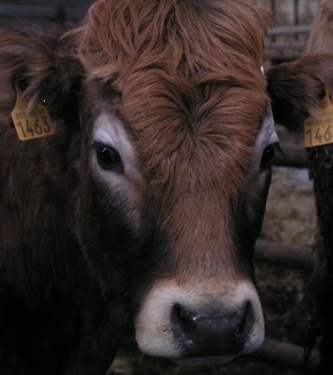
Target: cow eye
{"type": "Point", "coordinates": [107, 157]}
{"type": "Point", "coordinates": [267, 156]}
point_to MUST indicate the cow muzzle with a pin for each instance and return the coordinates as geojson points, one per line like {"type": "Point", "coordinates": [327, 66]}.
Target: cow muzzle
{"type": "Point", "coordinates": [195, 327]}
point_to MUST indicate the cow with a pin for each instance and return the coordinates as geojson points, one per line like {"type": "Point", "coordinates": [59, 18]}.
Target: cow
{"type": "Point", "coordinates": [320, 162]}
{"type": "Point", "coordinates": [135, 164]}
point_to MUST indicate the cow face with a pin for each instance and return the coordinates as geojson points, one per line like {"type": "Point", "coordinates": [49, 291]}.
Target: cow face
{"type": "Point", "coordinates": [173, 170]}
{"type": "Point", "coordinates": [163, 138]}
{"type": "Point", "coordinates": [179, 236]}
{"type": "Point", "coordinates": [177, 138]}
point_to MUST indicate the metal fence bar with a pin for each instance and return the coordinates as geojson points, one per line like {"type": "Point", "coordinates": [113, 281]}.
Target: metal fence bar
{"type": "Point", "coordinates": [48, 13]}
{"type": "Point", "coordinates": [290, 30]}
{"type": "Point", "coordinates": [300, 258]}
{"type": "Point", "coordinates": [290, 156]}
{"type": "Point", "coordinates": [296, 16]}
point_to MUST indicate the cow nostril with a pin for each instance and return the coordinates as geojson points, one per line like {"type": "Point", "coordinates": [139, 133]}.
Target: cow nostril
{"type": "Point", "coordinates": [207, 334]}
{"type": "Point", "coordinates": [187, 321]}
{"type": "Point", "coordinates": [244, 315]}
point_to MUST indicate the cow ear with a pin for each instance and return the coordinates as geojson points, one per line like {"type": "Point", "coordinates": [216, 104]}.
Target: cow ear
{"type": "Point", "coordinates": [297, 88]}
{"type": "Point", "coordinates": [44, 71]}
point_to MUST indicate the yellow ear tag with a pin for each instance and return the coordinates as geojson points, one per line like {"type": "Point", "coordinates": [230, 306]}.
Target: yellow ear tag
{"type": "Point", "coordinates": [30, 123]}
{"type": "Point", "coordinates": [318, 132]}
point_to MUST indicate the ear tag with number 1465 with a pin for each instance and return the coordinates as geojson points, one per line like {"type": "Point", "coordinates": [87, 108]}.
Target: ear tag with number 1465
{"type": "Point", "coordinates": [30, 123]}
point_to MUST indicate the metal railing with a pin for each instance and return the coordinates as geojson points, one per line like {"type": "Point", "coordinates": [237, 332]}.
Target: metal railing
{"type": "Point", "coordinates": [46, 13]}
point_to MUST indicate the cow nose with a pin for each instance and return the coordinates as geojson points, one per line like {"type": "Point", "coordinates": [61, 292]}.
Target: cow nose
{"type": "Point", "coordinates": [205, 334]}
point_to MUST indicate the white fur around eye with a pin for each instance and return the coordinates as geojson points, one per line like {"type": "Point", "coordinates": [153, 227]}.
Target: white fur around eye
{"type": "Point", "coordinates": [109, 131]}
{"type": "Point", "coordinates": [273, 138]}
{"type": "Point", "coordinates": [127, 186]}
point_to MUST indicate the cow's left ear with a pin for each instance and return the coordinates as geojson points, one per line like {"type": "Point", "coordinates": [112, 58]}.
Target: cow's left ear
{"type": "Point", "coordinates": [297, 88]}
{"type": "Point", "coordinates": [44, 71]}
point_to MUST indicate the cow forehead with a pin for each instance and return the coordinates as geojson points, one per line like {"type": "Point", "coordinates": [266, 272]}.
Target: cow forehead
{"type": "Point", "coordinates": [207, 131]}
{"type": "Point", "coordinates": [190, 125]}
{"type": "Point", "coordinates": [190, 81]}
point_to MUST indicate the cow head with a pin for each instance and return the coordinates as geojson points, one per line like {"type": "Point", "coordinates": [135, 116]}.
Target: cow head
{"type": "Point", "coordinates": [177, 139]}
{"type": "Point", "coordinates": [164, 109]}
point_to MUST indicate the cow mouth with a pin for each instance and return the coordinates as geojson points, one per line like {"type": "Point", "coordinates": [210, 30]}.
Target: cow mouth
{"type": "Point", "coordinates": [212, 336]}
{"type": "Point", "coordinates": [193, 328]}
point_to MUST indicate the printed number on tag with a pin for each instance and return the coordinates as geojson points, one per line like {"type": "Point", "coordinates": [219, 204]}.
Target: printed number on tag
{"type": "Point", "coordinates": [30, 123]}
{"type": "Point", "coordinates": [318, 132]}
{"type": "Point", "coordinates": [318, 135]}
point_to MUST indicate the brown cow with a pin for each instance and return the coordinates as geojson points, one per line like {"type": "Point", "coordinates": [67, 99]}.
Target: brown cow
{"type": "Point", "coordinates": [297, 90]}
{"type": "Point", "coordinates": [321, 171]}
{"type": "Point", "coordinates": [320, 161]}
{"type": "Point", "coordinates": [142, 209]}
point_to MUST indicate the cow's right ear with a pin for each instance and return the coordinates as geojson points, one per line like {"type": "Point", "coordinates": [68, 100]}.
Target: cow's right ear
{"type": "Point", "coordinates": [297, 88]}
{"type": "Point", "coordinates": [44, 71]}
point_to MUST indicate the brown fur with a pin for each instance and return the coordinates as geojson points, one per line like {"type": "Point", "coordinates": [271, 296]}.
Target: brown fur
{"type": "Point", "coordinates": [168, 70]}
{"type": "Point", "coordinates": [184, 77]}
{"type": "Point", "coordinates": [320, 292]}
{"type": "Point", "coordinates": [297, 90]}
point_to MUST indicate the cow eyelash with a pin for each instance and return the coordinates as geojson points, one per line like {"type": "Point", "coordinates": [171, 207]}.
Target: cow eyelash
{"type": "Point", "coordinates": [107, 157]}
{"type": "Point", "coordinates": [268, 155]}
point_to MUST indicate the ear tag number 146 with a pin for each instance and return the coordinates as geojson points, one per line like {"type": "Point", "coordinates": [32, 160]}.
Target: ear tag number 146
{"type": "Point", "coordinates": [319, 131]}
{"type": "Point", "coordinates": [30, 123]}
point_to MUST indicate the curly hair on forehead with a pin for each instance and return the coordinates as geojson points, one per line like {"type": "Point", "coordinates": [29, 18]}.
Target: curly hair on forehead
{"type": "Point", "coordinates": [189, 36]}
